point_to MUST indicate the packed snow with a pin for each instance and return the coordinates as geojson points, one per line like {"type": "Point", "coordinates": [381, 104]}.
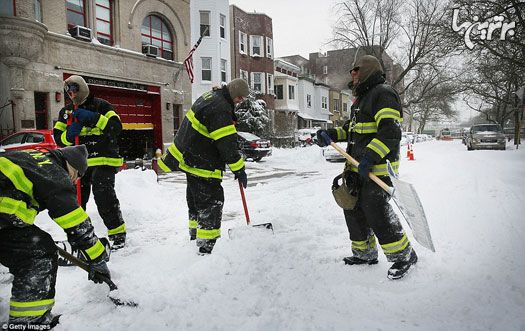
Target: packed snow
{"type": "Point", "coordinates": [294, 279]}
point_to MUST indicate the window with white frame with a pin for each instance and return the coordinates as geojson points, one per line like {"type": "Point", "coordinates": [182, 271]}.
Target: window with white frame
{"type": "Point", "coordinates": [324, 102]}
{"type": "Point", "coordinates": [257, 81]}
{"type": "Point", "coordinates": [308, 100]}
{"type": "Point", "coordinates": [325, 70]}
{"type": "Point", "coordinates": [345, 107]}
{"type": "Point", "coordinates": [270, 83]}
{"type": "Point", "coordinates": [206, 69]}
{"type": "Point", "coordinates": [243, 43]}
{"type": "Point", "coordinates": [222, 26]}
{"type": "Point", "coordinates": [223, 70]}
{"type": "Point", "coordinates": [336, 105]}
{"type": "Point", "coordinates": [279, 95]}
{"type": "Point", "coordinates": [291, 92]}
{"type": "Point", "coordinates": [103, 11]}
{"type": "Point", "coordinates": [269, 47]}
{"type": "Point", "coordinates": [244, 75]}
{"type": "Point", "coordinates": [256, 44]}
{"type": "Point", "coordinates": [205, 23]}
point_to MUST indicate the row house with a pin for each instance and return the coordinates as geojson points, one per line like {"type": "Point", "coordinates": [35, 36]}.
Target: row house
{"type": "Point", "coordinates": [284, 120]}
{"type": "Point", "coordinates": [129, 52]}
{"type": "Point", "coordinates": [340, 103]}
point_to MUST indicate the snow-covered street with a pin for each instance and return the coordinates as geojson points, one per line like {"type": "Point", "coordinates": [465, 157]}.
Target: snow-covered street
{"type": "Point", "coordinates": [295, 279]}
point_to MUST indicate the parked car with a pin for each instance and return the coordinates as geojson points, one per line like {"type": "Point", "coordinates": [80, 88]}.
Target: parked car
{"type": "Point", "coordinates": [253, 147]}
{"type": "Point", "coordinates": [331, 155]}
{"type": "Point", "coordinates": [485, 136]}
{"type": "Point", "coordinates": [29, 139]}
{"type": "Point", "coordinates": [307, 137]}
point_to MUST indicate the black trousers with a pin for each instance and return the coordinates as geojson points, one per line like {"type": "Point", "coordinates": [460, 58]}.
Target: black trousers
{"type": "Point", "coordinates": [102, 180]}
{"type": "Point", "coordinates": [374, 215]}
{"type": "Point", "coordinates": [205, 198]}
{"type": "Point", "coordinates": [31, 256]}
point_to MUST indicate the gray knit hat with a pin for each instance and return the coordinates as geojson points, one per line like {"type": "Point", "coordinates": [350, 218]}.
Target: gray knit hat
{"type": "Point", "coordinates": [368, 65]}
{"type": "Point", "coordinates": [238, 88]}
{"type": "Point", "coordinates": [76, 156]}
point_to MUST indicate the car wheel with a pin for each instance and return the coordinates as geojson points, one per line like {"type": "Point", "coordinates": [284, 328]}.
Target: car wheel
{"type": "Point", "coordinates": [257, 159]}
{"type": "Point", "coordinates": [469, 147]}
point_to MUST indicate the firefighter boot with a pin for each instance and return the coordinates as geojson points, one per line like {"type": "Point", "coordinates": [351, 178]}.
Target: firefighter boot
{"type": "Point", "coordinates": [401, 268]}
{"type": "Point", "coordinates": [205, 246]}
{"type": "Point", "coordinates": [119, 241]}
{"type": "Point", "coordinates": [352, 260]}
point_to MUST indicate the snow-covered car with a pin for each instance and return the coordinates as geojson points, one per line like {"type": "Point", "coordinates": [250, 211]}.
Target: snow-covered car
{"type": "Point", "coordinates": [29, 139]}
{"type": "Point", "coordinates": [485, 136]}
{"type": "Point", "coordinates": [253, 147]}
{"type": "Point", "coordinates": [307, 137]}
{"type": "Point", "coordinates": [331, 155]}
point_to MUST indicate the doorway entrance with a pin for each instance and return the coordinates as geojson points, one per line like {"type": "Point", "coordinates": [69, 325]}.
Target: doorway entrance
{"type": "Point", "coordinates": [41, 110]}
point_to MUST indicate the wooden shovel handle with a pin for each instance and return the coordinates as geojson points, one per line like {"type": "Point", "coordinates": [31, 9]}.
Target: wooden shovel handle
{"type": "Point", "coordinates": [373, 177]}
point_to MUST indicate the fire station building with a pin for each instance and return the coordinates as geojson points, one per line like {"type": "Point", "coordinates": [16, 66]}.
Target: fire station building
{"type": "Point", "coordinates": [129, 52]}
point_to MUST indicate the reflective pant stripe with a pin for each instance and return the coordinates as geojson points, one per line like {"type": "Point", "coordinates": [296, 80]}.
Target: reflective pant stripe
{"type": "Point", "coordinates": [94, 251]}
{"type": "Point", "coordinates": [208, 234]}
{"type": "Point", "coordinates": [192, 224]}
{"type": "Point", "coordinates": [396, 246]}
{"type": "Point", "coordinates": [117, 230]}
{"type": "Point", "coordinates": [72, 218]}
{"type": "Point", "coordinates": [31, 308]}
{"type": "Point", "coordinates": [364, 244]}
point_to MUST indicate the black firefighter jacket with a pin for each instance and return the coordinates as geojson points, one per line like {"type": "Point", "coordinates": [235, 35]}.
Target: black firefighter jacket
{"type": "Point", "coordinates": [32, 181]}
{"type": "Point", "coordinates": [207, 138]}
{"type": "Point", "coordinates": [100, 137]}
{"type": "Point", "coordinates": [374, 128]}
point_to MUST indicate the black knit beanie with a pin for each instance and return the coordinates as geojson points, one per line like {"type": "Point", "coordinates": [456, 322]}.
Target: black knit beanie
{"type": "Point", "coordinates": [76, 156]}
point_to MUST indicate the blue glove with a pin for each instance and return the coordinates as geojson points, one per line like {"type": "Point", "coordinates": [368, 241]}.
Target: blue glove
{"type": "Point", "coordinates": [72, 131]}
{"type": "Point", "coordinates": [242, 177]}
{"type": "Point", "coordinates": [86, 117]}
{"type": "Point", "coordinates": [323, 139]}
{"type": "Point", "coordinates": [364, 168]}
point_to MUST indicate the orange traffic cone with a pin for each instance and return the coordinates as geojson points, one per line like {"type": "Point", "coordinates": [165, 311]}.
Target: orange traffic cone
{"type": "Point", "coordinates": [411, 156]}
{"type": "Point", "coordinates": [408, 150]}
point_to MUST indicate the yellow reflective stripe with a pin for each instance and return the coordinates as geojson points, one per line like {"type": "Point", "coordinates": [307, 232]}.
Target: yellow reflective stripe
{"type": "Point", "coordinates": [366, 127]}
{"type": "Point", "coordinates": [60, 126]}
{"type": "Point", "coordinates": [365, 244]}
{"type": "Point", "coordinates": [163, 166]}
{"type": "Point", "coordinates": [86, 131]}
{"type": "Point", "coordinates": [109, 161]}
{"type": "Point", "coordinates": [72, 218]}
{"type": "Point", "coordinates": [64, 140]}
{"type": "Point", "coordinates": [110, 114]}
{"type": "Point", "coordinates": [379, 147]}
{"type": "Point", "coordinates": [94, 251]}
{"type": "Point", "coordinates": [174, 151]}
{"type": "Point", "coordinates": [387, 113]}
{"type": "Point", "coordinates": [396, 246]}
{"type": "Point", "coordinates": [341, 133]}
{"type": "Point", "coordinates": [223, 132]}
{"type": "Point", "coordinates": [31, 308]}
{"type": "Point", "coordinates": [208, 234]}
{"type": "Point", "coordinates": [117, 230]}
{"type": "Point", "coordinates": [379, 169]}
{"type": "Point", "coordinates": [18, 208]}
{"type": "Point", "coordinates": [237, 165]}
{"type": "Point", "coordinates": [16, 175]}
{"type": "Point", "coordinates": [198, 126]}
{"type": "Point", "coordinates": [102, 122]}
{"type": "Point", "coordinates": [192, 224]}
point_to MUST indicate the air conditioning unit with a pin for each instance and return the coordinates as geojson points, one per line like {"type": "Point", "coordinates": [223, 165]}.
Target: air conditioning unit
{"type": "Point", "coordinates": [150, 50]}
{"type": "Point", "coordinates": [80, 32]}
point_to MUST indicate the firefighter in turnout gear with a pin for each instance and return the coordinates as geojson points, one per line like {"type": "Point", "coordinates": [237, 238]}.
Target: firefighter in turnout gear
{"type": "Point", "coordinates": [97, 125]}
{"type": "Point", "coordinates": [32, 181]}
{"type": "Point", "coordinates": [373, 134]}
{"type": "Point", "coordinates": [205, 143]}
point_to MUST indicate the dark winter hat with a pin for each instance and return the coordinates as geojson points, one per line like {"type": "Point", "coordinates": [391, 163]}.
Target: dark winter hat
{"type": "Point", "coordinates": [367, 65]}
{"type": "Point", "coordinates": [238, 88]}
{"type": "Point", "coordinates": [77, 84]}
{"type": "Point", "coordinates": [76, 156]}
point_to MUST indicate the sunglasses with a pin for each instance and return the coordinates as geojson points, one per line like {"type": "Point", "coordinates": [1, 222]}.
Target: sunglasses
{"type": "Point", "coordinates": [356, 69]}
{"type": "Point", "coordinates": [73, 88]}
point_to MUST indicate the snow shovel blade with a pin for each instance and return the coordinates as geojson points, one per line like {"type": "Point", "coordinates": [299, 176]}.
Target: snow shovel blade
{"type": "Point", "coordinates": [407, 200]}
{"type": "Point", "coordinates": [245, 231]}
{"type": "Point", "coordinates": [112, 286]}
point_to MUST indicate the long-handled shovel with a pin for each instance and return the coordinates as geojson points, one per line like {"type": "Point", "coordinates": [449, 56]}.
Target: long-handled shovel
{"type": "Point", "coordinates": [112, 287]}
{"type": "Point", "coordinates": [403, 195]}
{"type": "Point", "coordinates": [267, 226]}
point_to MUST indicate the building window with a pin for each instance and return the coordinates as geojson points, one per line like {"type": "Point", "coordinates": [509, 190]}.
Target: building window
{"type": "Point", "coordinates": [38, 10]}
{"type": "Point", "coordinates": [269, 47]}
{"type": "Point", "coordinates": [324, 102]}
{"type": "Point", "coordinates": [279, 92]}
{"type": "Point", "coordinates": [258, 81]}
{"type": "Point", "coordinates": [256, 45]}
{"type": "Point", "coordinates": [244, 75]}
{"type": "Point", "coordinates": [205, 23]}
{"type": "Point", "coordinates": [336, 105]}
{"type": "Point", "coordinates": [291, 92]}
{"type": "Point", "coordinates": [270, 83]}
{"type": "Point", "coordinates": [7, 8]}
{"type": "Point", "coordinates": [223, 70]}
{"type": "Point", "coordinates": [222, 29]}
{"type": "Point", "coordinates": [75, 13]}
{"type": "Point", "coordinates": [345, 107]}
{"type": "Point", "coordinates": [155, 32]}
{"type": "Point", "coordinates": [104, 12]}
{"type": "Point", "coordinates": [242, 42]}
{"type": "Point", "coordinates": [206, 69]}
{"type": "Point", "coordinates": [325, 70]}
{"type": "Point", "coordinates": [308, 100]}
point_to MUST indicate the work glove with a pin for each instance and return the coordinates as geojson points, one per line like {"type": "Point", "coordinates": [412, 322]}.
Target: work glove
{"type": "Point", "coordinates": [323, 139]}
{"type": "Point", "coordinates": [364, 168]}
{"type": "Point", "coordinates": [242, 177]}
{"type": "Point", "coordinates": [98, 269]}
{"type": "Point", "coordinates": [73, 130]}
{"type": "Point", "coordinates": [86, 117]}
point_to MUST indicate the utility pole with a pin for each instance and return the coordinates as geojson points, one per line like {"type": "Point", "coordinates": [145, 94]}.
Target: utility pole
{"type": "Point", "coordinates": [518, 115]}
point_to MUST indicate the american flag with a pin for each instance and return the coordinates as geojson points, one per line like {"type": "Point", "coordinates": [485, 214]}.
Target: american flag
{"type": "Point", "coordinates": [188, 62]}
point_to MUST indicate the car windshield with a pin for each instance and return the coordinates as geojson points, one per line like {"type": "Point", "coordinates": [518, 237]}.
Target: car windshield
{"type": "Point", "coordinates": [482, 128]}
{"type": "Point", "coordinates": [248, 136]}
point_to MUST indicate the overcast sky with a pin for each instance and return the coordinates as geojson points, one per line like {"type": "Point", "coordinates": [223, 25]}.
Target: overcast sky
{"type": "Point", "coordinates": [299, 26]}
